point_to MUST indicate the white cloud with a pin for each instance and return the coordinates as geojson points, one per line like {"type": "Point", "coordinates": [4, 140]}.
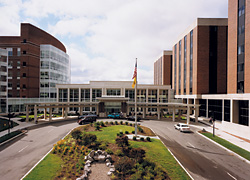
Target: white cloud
{"type": "Point", "coordinates": [111, 34]}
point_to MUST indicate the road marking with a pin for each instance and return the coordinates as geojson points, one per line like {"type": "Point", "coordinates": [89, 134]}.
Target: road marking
{"type": "Point", "coordinates": [50, 130]}
{"type": "Point", "coordinates": [23, 148]}
{"type": "Point", "coordinates": [231, 176]}
{"type": "Point", "coordinates": [191, 145]}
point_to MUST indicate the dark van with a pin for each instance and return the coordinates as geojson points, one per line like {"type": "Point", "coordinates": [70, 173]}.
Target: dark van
{"type": "Point", "coordinates": [87, 119]}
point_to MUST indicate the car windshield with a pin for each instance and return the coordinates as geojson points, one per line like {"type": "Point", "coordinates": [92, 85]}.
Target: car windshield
{"type": "Point", "coordinates": [184, 125]}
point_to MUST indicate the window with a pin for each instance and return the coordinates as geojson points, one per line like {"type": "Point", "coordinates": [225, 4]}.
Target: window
{"type": "Point", "coordinates": [18, 51]}
{"type": "Point", "coordinates": [10, 64]}
{"type": "Point", "coordinates": [96, 93]}
{"type": "Point", "coordinates": [18, 63]}
{"type": "Point", "coordinates": [24, 74]}
{"type": "Point", "coordinates": [85, 95]}
{"type": "Point", "coordinates": [74, 95]}
{"type": "Point", "coordinates": [130, 94]}
{"type": "Point", "coordinates": [9, 84]}
{"type": "Point", "coordinates": [179, 67]}
{"type": "Point", "coordinates": [9, 73]}
{"type": "Point", "coordinates": [24, 86]}
{"type": "Point", "coordinates": [24, 63]}
{"type": "Point", "coordinates": [18, 84]}
{"type": "Point", "coordinates": [113, 92]}
{"type": "Point", "coordinates": [24, 52]}
{"type": "Point", "coordinates": [10, 51]}
{"type": "Point", "coordinates": [24, 40]}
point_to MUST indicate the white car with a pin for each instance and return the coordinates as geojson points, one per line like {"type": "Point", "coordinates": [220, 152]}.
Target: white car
{"type": "Point", "coordinates": [182, 127]}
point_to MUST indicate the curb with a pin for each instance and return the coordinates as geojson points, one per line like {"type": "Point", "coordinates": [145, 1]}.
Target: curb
{"type": "Point", "coordinates": [14, 137]}
{"type": "Point", "coordinates": [242, 158]}
{"type": "Point", "coordinates": [43, 157]}
{"type": "Point", "coordinates": [173, 156]}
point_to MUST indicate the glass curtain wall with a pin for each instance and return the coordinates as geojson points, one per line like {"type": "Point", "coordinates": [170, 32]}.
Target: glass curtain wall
{"type": "Point", "coordinates": [85, 95]}
{"type": "Point", "coordinates": [54, 69]}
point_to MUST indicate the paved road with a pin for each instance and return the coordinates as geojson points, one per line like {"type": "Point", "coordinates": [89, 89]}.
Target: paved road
{"type": "Point", "coordinates": [202, 158]}
{"type": "Point", "coordinates": [20, 156]}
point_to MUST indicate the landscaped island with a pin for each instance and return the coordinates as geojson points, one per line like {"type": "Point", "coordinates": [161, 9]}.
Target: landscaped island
{"type": "Point", "coordinates": [143, 158]}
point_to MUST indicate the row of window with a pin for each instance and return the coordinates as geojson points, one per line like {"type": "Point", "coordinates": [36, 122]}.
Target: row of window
{"type": "Point", "coordinates": [85, 94]}
{"type": "Point", "coordinates": [185, 63]}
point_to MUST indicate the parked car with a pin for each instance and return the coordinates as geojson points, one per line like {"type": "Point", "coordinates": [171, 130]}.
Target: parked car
{"type": "Point", "coordinates": [114, 115]}
{"type": "Point", "coordinates": [182, 127]}
{"type": "Point", "coordinates": [132, 118]}
{"type": "Point", "coordinates": [87, 119]}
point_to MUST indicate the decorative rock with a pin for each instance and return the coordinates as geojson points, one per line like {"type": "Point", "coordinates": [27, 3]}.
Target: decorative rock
{"type": "Point", "coordinates": [85, 158]}
{"type": "Point", "coordinates": [107, 160]}
{"type": "Point", "coordinates": [108, 164]}
{"type": "Point", "coordinates": [92, 153]}
{"type": "Point", "coordinates": [101, 158]}
{"type": "Point", "coordinates": [112, 170]}
{"type": "Point", "coordinates": [78, 178]}
{"type": "Point", "coordinates": [108, 156]}
{"type": "Point", "coordinates": [99, 151]}
{"type": "Point", "coordinates": [88, 162]}
{"type": "Point", "coordinates": [104, 153]}
{"type": "Point", "coordinates": [109, 173]}
{"type": "Point", "coordinates": [112, 166]}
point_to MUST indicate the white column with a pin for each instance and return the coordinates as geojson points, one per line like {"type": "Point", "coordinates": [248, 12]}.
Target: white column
{"type": "Point", "coordinates": [27, 113]}
{"type": "Point", "coordinates": [188, 114]}
{"type": "Point", "coordinates": [45, 113]}
{"type": "Point", "coordinates": [196, 111]}
{"type": "Point", "coordinates": [173, 114]}
{"type": "Point", "coordinates": [222, 109]}
{"type": "Point", "coordinates": [158, 113]}
{"type": "Point", "coordinates": [90, 94]}
{"type": "Point", "coordinates": [158, 94]}
{"type": "Point", "coordinates": [144, 112]}
{"type": "Point", "coordinates": [35, 113]}
{"type": "Point", "coordinates": [62, 111]}
{"type": "Point", "coordinates": [207, 109]}
{"type": "Point", "coordinates": [231, 110]}
{"type": "Point", "coordinates": [50, 113]}
{"type": "Point", "coordinates": [81, 109]}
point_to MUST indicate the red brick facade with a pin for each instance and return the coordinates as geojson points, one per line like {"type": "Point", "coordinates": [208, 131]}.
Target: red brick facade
{"type": "Point", "coordinates": [201, 58]}
{"type": "Point", "coordinates": [29, 43]}
{"type": "Point", "coordinates": [163, 69]}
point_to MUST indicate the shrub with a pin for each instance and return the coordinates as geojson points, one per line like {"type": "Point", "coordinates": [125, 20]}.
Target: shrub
{"type": "Point", "coordinates": [88, 138]}
{"type": "Point", "coordinates": [140, 129]}
{"type": "Point", "coordinates": [91, 124]}
{"type": "Point", "coordinates": [138, 154]}
{"type": "Point", "coordinates": [126, 132]}
{"type": "Point", "coordinates": [130, 124]}
{"type": "Point", "coordinates": [121, 122]}
{"type": "Point", "coordinates": [124, 166]}
{"type": "Point", "coordinates": [116, 123]}
{"type": "Point", "coordinates": [122, 141]}
{"type": "Point", "coordinates": [109, 151]}
{"type": "Point", "coordinates": [119, 153]}
{"type": "Point", "coordinates": [142, 138]}
{"type": "Point", "coordinates": [97, 127]}
{"type": "Point", "coordinates": [76, 134]}
{"type": "Point", "coordinates": [148, 139]}
{"type": "Point", "coordinates": [126, 123]}
{"type": "Point", "coordinates": [133, 132]}
{"type": "Point", "coordinates": [106, 122]}
{"type": "Point", "coordinates": [102, 123]}
{"type": "Point", "coordinates": [121, 132]}
{"type": "Point", "coordinates": [134, 138]}
{"type": "Point", "coordinates": [111, 122]}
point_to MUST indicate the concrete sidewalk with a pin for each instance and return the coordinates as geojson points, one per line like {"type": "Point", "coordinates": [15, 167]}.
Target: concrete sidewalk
{"type": "Point", "coordinates": [239, 141]}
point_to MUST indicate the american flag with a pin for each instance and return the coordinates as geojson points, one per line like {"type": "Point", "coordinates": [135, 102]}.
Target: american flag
{"type": "Point", "coordinates": [135, 71]}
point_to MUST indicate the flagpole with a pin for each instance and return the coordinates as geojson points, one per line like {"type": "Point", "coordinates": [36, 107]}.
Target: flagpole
{"type": "Point", "coordinates": [136, 102]}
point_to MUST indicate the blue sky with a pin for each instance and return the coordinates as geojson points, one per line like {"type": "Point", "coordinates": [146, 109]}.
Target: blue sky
{"type": "Point", "coordinates": [103, 37]}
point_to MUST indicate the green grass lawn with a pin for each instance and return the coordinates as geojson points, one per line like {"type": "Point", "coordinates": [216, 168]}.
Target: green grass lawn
{"type": "Point", "coordinates": [4, 124]}
{"type": "Point", "coordinates": [156, 151]}
{"type": "Point", "coordinates": [47, 169]}
{"type": "Point", "coordinates": [228, 145]}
